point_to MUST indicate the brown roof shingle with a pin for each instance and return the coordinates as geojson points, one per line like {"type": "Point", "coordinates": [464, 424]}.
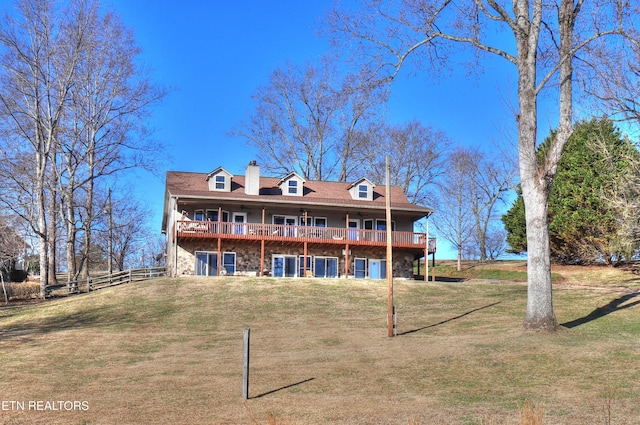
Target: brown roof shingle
{"type": "Point", "coordinates": [194, 185]}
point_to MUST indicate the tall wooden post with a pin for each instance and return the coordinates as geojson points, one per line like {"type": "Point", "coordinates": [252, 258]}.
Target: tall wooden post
{"type": "Point", "coordinates": [390, 307]}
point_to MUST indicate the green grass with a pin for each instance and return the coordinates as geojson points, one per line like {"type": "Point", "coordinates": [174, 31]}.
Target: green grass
{"type": "Point", "coordinates": [169, 351]}
{"type": "Point", "coordinates": [486, 273]}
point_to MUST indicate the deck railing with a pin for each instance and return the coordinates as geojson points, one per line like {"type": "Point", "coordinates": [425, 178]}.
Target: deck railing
{"type": "Point", "coordinates": [281, 232]}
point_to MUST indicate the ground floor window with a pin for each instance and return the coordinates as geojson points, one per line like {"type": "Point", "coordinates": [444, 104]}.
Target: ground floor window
{"type": "Point", "coordinates": [229, 262]}
{"type": "Point", "coordinates": [302, 271]}
{"type": "Point", "coordinates": [207, 263]}
{"type": "Point", "coordinates": [325, 267]}
{"type": "Point", "coordinates": [284, 265]}
{"type": "Point", "coordinates": [287, 265]}
{"type": "Point", "coordinates": [360, 268]}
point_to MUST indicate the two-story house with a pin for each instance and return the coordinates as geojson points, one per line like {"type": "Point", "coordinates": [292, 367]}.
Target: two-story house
{"type": "Point", "coordinates": [223, 224]}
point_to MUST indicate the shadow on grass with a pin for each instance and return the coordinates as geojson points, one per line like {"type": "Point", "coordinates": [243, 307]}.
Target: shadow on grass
{"type": "Point", "coordinates": [448, 320]}
{"type": "Point", "coordinates": [447, 279]}
{"type": "Point", "coordinates": [282, 388]}
{"type": "Point", "coordinates": [613, 306]}
{"type": "Point", "coordinates": [51, 322]}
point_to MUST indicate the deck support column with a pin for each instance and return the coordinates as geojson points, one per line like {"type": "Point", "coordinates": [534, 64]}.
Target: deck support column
{"type": "Point", "coordinates": [304, 251]}
{"type": "Point", "coordinates": [262, 246]}
{"type": "Point", "coordinates": [346, 250]}
{"type": "Point", "coordinates": [219, 231]}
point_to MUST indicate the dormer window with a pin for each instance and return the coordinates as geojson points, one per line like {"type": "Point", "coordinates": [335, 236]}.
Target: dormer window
{"type": "Point", "coordinates": [362, 190]}
{"type": "Point", "coordinates": [219, 180]}
{"type": "Point", "coordinates": [292, 185]}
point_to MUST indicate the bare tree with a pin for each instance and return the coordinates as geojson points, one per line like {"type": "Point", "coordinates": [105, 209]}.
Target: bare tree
{"type": "Point", "coordinates": [455, 221]}
{"type": "Point", "coordinates": [311, 120]}
{"type": "Point", "coordinates": [73, 103]}
{"type": "Point", "coordinates": [491, 178]}
{"type": "Point", "coordinates": [38, 65]}
{"type": "Point", "coordinates": [123, 237]}
{"type": "Point", "coordinates": [10, 248]}
{"type": "Point", "coordinates": [110, 103]}
{"type": "Point", "coordinates": [417, 154]}
{"type": "Point", "coordinates": [544, 39]}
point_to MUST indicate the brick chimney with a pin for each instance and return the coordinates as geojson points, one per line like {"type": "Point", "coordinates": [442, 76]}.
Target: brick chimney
{"type": "Point", "coordinates": [252, 179]}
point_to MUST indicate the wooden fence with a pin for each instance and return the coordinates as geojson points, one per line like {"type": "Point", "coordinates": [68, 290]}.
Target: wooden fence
{"type": "Point", "coordinates": [93, 283]}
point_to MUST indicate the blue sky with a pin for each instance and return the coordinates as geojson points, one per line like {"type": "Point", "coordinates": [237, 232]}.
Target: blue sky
{"type": "Point", "coordinates": [215, 54]}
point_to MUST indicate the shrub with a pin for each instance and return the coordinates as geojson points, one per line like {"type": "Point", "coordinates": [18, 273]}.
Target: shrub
{"type": "Point", "coordinates": [18, 275]}
{"type": "Point", "coordinates": [22, 290]}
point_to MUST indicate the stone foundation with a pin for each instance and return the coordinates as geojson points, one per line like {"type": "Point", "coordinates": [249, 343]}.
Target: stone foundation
{"type": "Point", "coordinates": [248, 257]}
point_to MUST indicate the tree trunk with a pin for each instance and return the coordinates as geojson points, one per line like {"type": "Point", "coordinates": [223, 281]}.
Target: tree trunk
{"type": "Point", "coordinates": [71, 237]}
{"type": "Point", "coordinates": [52, 230]}
{"type": "Point", "coordinates": [540, 314]}
{"type": "Point", "coordinates": [42, 221]}
{"type": "Point", "coordinates": [535, 178]}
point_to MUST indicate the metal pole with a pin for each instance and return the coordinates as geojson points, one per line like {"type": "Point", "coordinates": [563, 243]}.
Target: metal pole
{"type": "Point", "coordinates": [245, 365]}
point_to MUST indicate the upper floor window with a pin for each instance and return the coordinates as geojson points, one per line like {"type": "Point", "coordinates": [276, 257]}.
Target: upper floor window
{"type": "Point", "coordinates": [363, 191]}
{"type": "Point", "coordinates": [220, 182]}
{"type": "Point", "coordinates": [293, 187]}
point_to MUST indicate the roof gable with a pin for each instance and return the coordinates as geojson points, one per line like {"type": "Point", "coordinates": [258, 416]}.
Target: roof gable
{"type": "Point", "coordinates": [219, 180]}
{"type": "Point", "coordinates": [292, 184]}
{"type": "Point", "coordinates": [362, 189]}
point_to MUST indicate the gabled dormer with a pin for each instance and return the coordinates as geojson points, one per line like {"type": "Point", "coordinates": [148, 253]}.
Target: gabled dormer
{"type": "Point", "coordinates": [292, 185]}
{"type": "Point", "coordinates": [219, 180]}
{"type": "Point", "coordinates": [362, 189]}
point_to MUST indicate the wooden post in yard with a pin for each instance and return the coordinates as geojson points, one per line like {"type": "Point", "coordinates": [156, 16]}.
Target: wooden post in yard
{"type": "Point", "coordinates": [245, 365]}
{"type": "Point", "coordinates": [390, 307]}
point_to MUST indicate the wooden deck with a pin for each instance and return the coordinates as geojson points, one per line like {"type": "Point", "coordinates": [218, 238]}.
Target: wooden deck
{"type": "Point", "coordinates": [199, 230]}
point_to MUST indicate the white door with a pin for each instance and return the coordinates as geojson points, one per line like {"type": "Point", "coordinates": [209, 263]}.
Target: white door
{"type": "Point", "coordinates": [239, 217]}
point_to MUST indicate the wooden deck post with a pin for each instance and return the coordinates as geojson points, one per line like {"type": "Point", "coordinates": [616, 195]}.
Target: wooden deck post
{"type": "Point", "coordinates": [218, 266]}
{"type": "Point", "coordinates": [346, 251]}
{"type": "Point", "coordinates": [262, 246]}
{"type": "Point", "coordinates": [304, 251]}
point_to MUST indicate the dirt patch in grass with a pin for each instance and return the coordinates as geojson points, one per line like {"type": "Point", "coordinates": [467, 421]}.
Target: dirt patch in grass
{"type": "Point", "coordinates": [170, 352]}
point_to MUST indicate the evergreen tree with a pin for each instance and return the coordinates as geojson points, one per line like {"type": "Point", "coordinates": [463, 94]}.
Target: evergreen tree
{"type": "Point", "coordinates": [584, 218]}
